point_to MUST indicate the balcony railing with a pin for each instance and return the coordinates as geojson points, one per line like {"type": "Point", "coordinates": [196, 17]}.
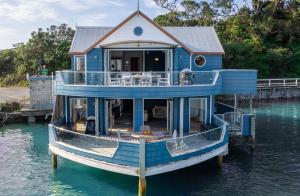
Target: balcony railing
{"type": "Point", "coordinates": [280, 82]}
{"type": "Point", "coordinates": [98, 145]}
{"type": "Point", "coordinates": [124, 79]}
{"type": "Point", "coordinates": [195, 142]}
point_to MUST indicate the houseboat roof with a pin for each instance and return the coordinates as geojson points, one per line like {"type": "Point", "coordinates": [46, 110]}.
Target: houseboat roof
{"type": "Point", "coordinates": [196, 40]}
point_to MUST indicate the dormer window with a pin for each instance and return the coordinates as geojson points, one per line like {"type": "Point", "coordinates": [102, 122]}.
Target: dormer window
{"type": "Point", "coordinates": [200, 61]}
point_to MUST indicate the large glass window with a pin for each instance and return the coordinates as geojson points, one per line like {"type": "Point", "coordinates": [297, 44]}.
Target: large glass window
{"type": "Point", "coordinates": [78, 114]}
{"type": "Point", "coordinates": [198, 113]}
{"type": "Point", "coordinates": [80, 63]}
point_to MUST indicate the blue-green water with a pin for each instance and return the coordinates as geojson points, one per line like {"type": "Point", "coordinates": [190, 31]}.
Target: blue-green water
{"type": "Point", "coordinates": [274, 169]}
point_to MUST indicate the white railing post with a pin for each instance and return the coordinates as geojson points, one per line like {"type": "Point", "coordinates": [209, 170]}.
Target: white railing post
{"type": "Point", "coordinates": [269, 83]}
{"type": "Point", "coordinates": [283, 82]}
{"type": "Point", "coordinates": [296, 82]}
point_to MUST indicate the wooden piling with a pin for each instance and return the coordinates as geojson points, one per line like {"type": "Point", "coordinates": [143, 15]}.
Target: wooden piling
{"type": "Point", "coordinates": [142, 179]}
{"type": "Point", "coordinates": [142, 186]}
{"type": "Point", "coordinates": [54, 160]}
{"type": "Point", "coordinates": [220, 161]}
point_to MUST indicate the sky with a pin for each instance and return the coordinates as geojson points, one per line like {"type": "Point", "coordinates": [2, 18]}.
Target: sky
{"type": "Point", "coordinates": [18, 18]}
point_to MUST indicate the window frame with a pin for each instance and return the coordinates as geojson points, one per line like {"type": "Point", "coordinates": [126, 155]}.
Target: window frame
{"type": "Point", "coordinates": [203, 63]}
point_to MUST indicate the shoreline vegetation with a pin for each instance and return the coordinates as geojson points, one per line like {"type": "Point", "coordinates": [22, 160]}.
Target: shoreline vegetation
{"type": "Point", "coordinates": [264, 35]}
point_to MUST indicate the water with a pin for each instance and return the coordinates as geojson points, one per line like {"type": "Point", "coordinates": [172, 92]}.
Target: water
{"type": "Point", "coordinates": [274, 169]}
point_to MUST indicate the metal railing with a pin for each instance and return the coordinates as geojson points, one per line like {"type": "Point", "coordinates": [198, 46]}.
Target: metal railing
{"type": "Point", "coordinates": [234, 120]}
{"type": "Point", "coordinates": [282, 82]}
{"type": "Point", "coordinates": [93, 78]}
{"type": "Point", "coordinates": [98, 145]}
{"type": "Point", "coordinates": [195, 142]}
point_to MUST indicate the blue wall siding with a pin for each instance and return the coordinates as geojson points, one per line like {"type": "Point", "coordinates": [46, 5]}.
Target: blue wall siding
{"type": "Point", "coordinates": [157, 153]}
{"type": "Point", "coordinates": [246, 128]}
{"type": "Point", "coordinates": [182, 60]}
{"type": "Point", "coordinates": [94, 60]}
{"type": "Point", "coordinates": [91, 106]}
{"type": "Point", "coordinates": [239, 81]}
{"type": "Point", "coordinates": [186, 115]}
{"type": "Point", "coordinates": [127, 154]}
{"type": "Point", "coordinates": [213, 62]}
{"type": "Point", "coordinates": [101, 105]}
{"type": "Point", "coordinates": [138, 113]}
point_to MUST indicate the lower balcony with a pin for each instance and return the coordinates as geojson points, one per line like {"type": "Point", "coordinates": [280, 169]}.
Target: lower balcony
{"type": "Point", "coordinates": [126, 154]}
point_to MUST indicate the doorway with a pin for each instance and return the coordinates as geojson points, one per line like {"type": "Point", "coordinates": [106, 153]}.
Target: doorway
{"type": "Point", "coordinates": [134, 64]}
{"type": "Point", "coordinates": [119, 117]}
{"type": "Point", "coordinates": [198, 114]}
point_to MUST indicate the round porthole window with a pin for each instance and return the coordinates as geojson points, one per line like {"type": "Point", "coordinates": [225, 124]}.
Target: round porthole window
{"type": "Point", "coordinates": [200, 60]}
{"type": "Point", "coordinates": [138, 31]}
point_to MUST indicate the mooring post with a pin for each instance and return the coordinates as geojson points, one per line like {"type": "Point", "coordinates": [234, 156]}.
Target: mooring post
{"type": "Point", "coordinates": [54, 160]}
{"type": "Point", "coordinates": [142, 179]}
{"type": "Point", "coordinates": [220, 161]}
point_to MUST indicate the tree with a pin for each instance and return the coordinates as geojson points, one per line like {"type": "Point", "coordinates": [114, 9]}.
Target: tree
{"type": "Point", "coordinates": [264, 35]}
{"type": "Point", "coordinates": [50, 47]}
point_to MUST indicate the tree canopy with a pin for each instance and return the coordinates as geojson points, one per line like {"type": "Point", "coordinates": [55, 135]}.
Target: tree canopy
{"type": "Point", "coordinates": [262, 35]}
{"type": "Point", "coordinates": [49, 47]}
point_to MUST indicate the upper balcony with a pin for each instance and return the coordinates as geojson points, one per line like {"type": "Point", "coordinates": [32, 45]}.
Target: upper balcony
{"type": "Point", "coordinates": [154, 84]}
{"type": "Point", "coordinates": [137, 79]}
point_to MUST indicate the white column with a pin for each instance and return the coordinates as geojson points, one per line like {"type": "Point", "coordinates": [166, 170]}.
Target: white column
{"type": "Point", "coordinates": [251, 103]}
{"type": "Point", "coordinates": [97, 116]}
{"type": "Point", "coordinates": [181, 118]}
{"type": "Point", "coordinates": [210, 108]}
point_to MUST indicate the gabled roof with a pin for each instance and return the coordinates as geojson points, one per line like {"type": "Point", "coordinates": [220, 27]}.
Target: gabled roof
{"type": "Point", "coordinates": [197, 40]}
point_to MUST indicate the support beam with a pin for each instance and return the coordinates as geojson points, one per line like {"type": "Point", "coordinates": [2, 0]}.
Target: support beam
{"type": "Point", "coordinates": [181, 117]}
{"type": "Point", "coordinates": [210, 109]}
{"type": "Point", "coordinates": [142, 178]}
{"type": "Point", "coordinates": [54, 160]}
{"type": "Point", "coordinates": [251, 103]}
{"type": "Point", "coordinates": [220, 161]}
{"type": "Point", "coordinates": [97, 128]}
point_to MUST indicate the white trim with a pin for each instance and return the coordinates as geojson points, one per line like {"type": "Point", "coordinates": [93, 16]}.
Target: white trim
{"type": "Point", "coordinates": [132, 171]}
{"type": "Point", "coordinates": [181, 116]}
{"type": "Point", "coordinates": [85, 68]}
{"type": "Point", "coordinates": [97, 128]}
{"type": "Point", "coordinates": [185, 163]}
{"type": "Point", "coordinates": [210, 109]}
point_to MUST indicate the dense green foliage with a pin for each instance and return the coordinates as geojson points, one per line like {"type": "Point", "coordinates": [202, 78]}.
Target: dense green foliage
{"type": "Point", "coordinates": [264, 35]}
{"type": "Point", "coordinates": [48, 48]}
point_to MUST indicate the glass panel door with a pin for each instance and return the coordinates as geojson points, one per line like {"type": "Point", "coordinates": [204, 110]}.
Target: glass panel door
{"type": "Point", "coordinates": [198, 113]}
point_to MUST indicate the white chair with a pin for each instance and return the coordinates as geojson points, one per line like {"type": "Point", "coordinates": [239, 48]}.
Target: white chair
{"type": "Point", "coordinates": [127, 79]}
{"type": "Point", "coordinates": [162, 81]}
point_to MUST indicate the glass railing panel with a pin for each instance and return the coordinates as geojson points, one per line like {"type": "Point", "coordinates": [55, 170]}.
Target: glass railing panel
{"type": "Point", "coordinates": [195, 142]}
{"type": "Point", "coordinates": [102, 146]}
{"type": "Point", "coordinates": [138, 78]}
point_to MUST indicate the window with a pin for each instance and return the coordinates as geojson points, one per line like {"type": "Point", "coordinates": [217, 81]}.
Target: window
{"type": "Point", "coordinates": [200, 60]}
{"type": "Point", "coordinates": [80, 63]}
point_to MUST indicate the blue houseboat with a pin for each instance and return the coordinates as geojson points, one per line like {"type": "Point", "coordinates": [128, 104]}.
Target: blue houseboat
{"type": "Point", "coordinates": [139, 98]}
